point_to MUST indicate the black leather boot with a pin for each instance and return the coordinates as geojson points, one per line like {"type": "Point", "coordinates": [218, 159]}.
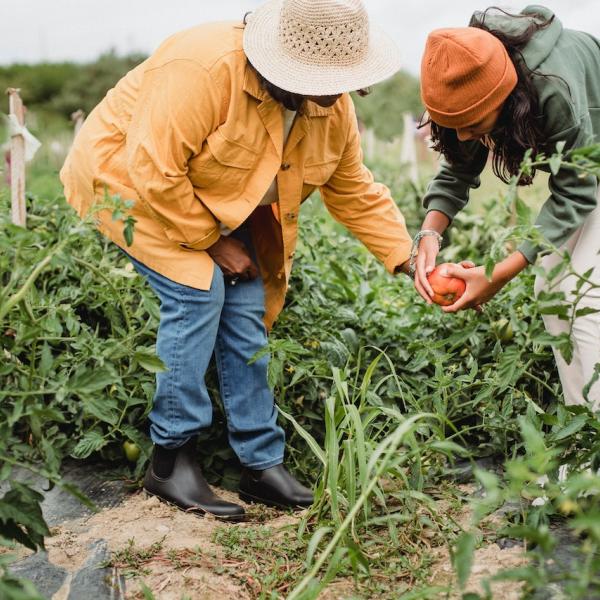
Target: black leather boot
{"type": "Point", "coordinates": [274, 487]}
{"type": "Point", "coordinates": [186, 487]}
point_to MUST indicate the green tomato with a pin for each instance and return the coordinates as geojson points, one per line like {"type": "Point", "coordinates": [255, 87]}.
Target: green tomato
{"type": "Point", "coordinates": [132, 451]}
{"type": "Point", "coordinates": [503, 330]}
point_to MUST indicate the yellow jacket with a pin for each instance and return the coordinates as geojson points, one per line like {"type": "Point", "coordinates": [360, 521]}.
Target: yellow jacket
{"type": "Point", "coordinates": [192, 137]}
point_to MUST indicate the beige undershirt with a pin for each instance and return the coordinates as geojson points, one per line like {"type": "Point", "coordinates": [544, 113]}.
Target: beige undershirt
{"type": "Point", "coordinates": [272, 195]}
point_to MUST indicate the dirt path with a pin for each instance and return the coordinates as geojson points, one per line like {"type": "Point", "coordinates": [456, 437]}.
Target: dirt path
{"type": "Point", "coordinates": [169, 551]}
{"type": "Point", "coordinates": [174, 553]}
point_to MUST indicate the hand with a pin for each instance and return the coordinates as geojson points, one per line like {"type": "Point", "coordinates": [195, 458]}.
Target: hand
{"type": "Point", "coordinates": [479, 288]}
{"type": "Point", "coordinates": [425, 263]}
{"type": "Point", "coordinates": [427, 252]}
{"type": "Point", "coordinates": [232, 256]}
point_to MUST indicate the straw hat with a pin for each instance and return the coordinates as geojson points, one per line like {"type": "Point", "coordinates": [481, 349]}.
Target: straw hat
{"type": "Point", "coordinates": [318, 47]}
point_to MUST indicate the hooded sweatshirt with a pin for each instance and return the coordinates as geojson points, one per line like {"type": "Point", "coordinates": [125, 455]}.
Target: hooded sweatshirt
{"type": "Point", "coordinates": [566, 66]}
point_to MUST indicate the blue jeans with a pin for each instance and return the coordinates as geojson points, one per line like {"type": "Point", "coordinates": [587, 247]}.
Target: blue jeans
{"type": "Point", "coordinates": [226, 320]}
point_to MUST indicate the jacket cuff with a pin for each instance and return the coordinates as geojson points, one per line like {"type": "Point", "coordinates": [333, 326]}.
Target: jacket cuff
{"type": "Point", "coordinates": [443, 205]}
{"type": "Point", "coordinates": [529, 250]}
{"type": "Point", "coordinates": [397, 257]}
{"type": "Point", "coordinates": [203, 243]}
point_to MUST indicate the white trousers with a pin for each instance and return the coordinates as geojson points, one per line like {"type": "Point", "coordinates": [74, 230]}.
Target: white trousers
{"type": "Point", "coordinates": [583, 247]}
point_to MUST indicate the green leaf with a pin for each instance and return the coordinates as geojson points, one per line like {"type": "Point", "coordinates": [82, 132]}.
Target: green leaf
{"type": "Point", "coordinates": [307, 437]}
{"type": "Point", "coordinates": [588, 310]}
{"type": "Point", "coordinates": [462, 556]}
{"type": "Point", "coordinates": [532, 436]}
{"type": "Point", "coordinates": [358, 561]}
{"type": "Point", "coordinates": [576, 424]}
{"type": "Point", "coordinates": [523, 212]}
{"type": "Point", "coordinates": [314, 543]}
{"type": "Point", "coordinates": [88, 381]}
{"type": "Point", "coordinates": [332, 453]}
{"type": "Point", "coordinates": [46, 360]}
{"type": "Point", "coordinates": [21, 516]}
{"type": "Point", "coordinates": [128, 230]}
{"type": "Point", "coordinates": [555, 163]}
{"type": "Point", "coordinates": [101, 407]}
{"type": "Point", "coordinates": [90, 442]}
{"type": "Point", "coordinates": [14, 588]}
{"type": "Point", "coordinates": [449, 448]}
{"type": "Point", "coordinates": [148, 595]}
{"type": "Point", "coordinates": [150, 361]}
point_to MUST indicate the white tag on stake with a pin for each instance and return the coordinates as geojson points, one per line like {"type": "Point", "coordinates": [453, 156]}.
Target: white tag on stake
{"type": "Point", "coordinates": [32, 144]}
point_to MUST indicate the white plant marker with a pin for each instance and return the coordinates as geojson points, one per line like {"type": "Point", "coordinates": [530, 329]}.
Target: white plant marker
{"type": "Point", "coordinates": [17, 160]}
{"type": "Point", "coordinates": [408, 153]}
{"type": "Point", "coordinates": [78, 117]}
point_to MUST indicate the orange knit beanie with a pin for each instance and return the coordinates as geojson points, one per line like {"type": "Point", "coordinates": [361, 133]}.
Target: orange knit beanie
{"type": "Point", "coordinates": [466, 74]}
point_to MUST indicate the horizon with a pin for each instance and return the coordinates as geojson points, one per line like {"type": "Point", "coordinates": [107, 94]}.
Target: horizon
{"type": "Point", "coordinates": [62, 31]}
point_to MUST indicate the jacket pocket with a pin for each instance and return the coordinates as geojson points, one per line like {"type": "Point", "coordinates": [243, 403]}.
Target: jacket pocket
{"type": "Point", "coordinates": [221, 161]}
{"type": "Point", "coordinates": [319, 173]}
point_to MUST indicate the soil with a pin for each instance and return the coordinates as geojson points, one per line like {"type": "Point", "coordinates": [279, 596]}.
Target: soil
{"type": "Point", "coordinates": [487, 561]}
{"type": "Point", "coordinates": [183, 561]}
{"type": "Point", "coordinates": [145, 521]}
{"type": "Point", "coordinates": [202, 571]}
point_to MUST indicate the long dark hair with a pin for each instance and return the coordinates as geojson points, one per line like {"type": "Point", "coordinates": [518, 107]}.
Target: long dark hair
{"type": "Point", "coordinates": [519, 126]}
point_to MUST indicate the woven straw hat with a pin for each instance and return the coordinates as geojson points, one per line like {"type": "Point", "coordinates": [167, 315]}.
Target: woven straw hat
{"type": "Point", "coordinates": [318, 47]}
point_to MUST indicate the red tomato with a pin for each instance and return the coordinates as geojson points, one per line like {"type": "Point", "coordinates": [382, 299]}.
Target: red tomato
{"type": "Point", "coordinates": [447, 290]}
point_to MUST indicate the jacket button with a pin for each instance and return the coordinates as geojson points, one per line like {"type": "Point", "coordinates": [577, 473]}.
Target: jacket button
{"type": "Point", "coordinates": [285, 166]}
{"type": "Point", "coordinates": [291, 216]}
{"type": "Point", "coordinates": [291, 255]}
{"type": "Point", "coordinates": [280, 275]}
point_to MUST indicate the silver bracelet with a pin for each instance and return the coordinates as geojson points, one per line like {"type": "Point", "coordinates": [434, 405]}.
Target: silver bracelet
{"type": "Point", "coordinates": [415, 248]}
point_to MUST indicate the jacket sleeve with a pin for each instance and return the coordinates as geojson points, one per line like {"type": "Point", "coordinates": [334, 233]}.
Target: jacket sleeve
{"type": "Point", "coordinates": [572, 197]}
{"type": "Point", "coordinates": [364, 207]}
{"type": "Point", "coordinates": [448, 191]}
{"type": "Point", "coordinates": [177, 107]}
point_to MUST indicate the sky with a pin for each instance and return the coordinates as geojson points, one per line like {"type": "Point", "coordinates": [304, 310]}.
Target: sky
{"type": "Point", "coordinates": [79, 30]}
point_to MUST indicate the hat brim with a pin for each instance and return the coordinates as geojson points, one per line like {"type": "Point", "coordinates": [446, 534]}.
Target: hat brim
{"type": "Point", "coordinates": [262, 47]}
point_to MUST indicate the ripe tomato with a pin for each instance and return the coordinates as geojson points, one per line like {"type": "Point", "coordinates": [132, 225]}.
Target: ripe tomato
{"type": "Point", "coordinates": [447, 290]}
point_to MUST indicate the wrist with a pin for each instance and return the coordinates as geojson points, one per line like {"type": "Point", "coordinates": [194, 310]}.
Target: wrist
{"type": "Point", "coordinates": [215, 245]}
{"type": "Point", "coordinates": [414, 251]}
{"type": "Point", "coordinates": [510, 267]}
{"type": "Point", "coordinates": [403, 268]}
{"type": "Point", "coordinates": [436, 220]}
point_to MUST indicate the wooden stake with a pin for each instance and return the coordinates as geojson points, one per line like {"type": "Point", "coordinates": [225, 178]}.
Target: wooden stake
{"type": "Point", "coordinates": [17, 160]}
{"type": "Point", "coordinates": [408, 154]}
{"type": "Point", "coordinates": [78, 117]}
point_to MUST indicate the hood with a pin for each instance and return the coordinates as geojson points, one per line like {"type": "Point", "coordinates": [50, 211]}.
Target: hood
{"type": "Point", "coordinates": [541, 44]}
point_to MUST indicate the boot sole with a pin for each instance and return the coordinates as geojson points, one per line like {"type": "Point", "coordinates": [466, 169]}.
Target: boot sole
{"type": "Point", "coordinates": [197, 511]}
{"type": "Point", "coordinates": [250, 499]}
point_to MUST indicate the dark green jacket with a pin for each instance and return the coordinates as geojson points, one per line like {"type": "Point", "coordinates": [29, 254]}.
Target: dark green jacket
{"type": "Point", "coordinates": [570, 110]}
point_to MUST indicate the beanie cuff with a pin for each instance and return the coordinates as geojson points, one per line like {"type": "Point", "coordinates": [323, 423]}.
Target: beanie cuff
{"type": "Point", "coordinates": [488, 104]}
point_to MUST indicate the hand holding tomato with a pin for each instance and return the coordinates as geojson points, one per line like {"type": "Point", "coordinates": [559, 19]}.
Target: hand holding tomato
{"type": "Point", "coordinates": [438, 275]}
{"type": "Point", "coordinates": [424, 265]}
{"type": "Point", "coordinates": [446, 290]}
{"type": "Point", "coordinates": [478, 288]}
